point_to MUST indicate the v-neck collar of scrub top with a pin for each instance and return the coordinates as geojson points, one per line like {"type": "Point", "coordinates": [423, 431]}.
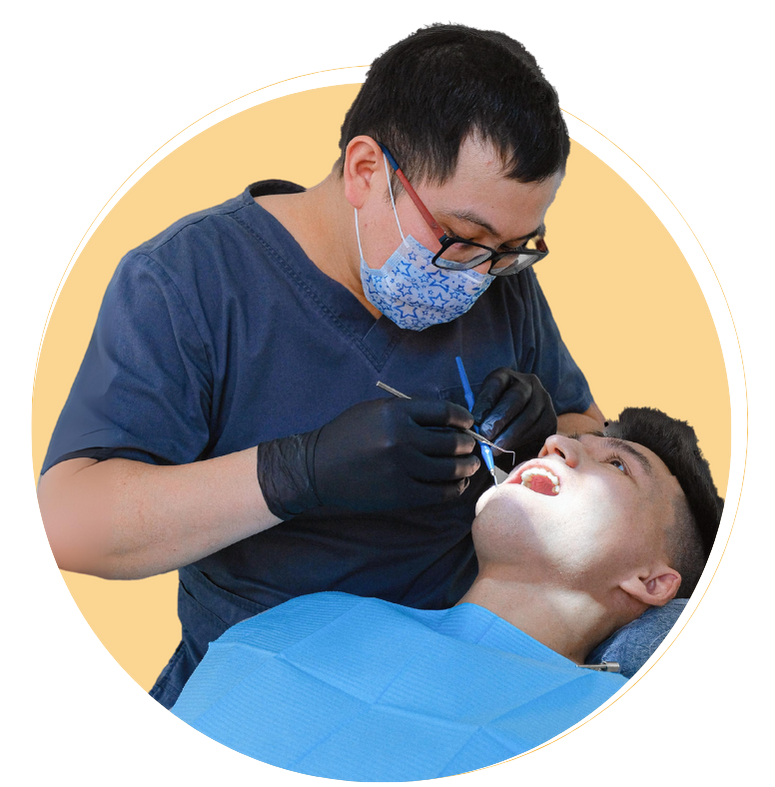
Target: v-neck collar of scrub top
{"type": "Point", "coordinates": [376, 338]}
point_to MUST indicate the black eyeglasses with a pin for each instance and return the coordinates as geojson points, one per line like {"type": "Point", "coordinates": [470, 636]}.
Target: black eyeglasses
{"type": "Point", "coordinates": [458, 254]}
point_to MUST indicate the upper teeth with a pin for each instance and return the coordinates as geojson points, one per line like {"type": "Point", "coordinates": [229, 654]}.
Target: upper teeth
{"type": "Point", "coordinates": [537, 470]}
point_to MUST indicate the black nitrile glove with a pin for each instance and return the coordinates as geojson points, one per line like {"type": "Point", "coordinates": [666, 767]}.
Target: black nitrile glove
{"type": "Point", "coordinates": [514, 411]}
{"type": "Point", "coordinates": [375, 456]}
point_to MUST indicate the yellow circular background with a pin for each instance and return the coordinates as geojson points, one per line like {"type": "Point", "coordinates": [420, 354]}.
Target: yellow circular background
{"type": "Point", "coordinates": [626, 301]}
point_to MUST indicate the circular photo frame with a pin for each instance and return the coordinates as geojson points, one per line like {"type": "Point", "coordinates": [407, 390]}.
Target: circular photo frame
{"type": "Point", "coordinates": [634, 296]}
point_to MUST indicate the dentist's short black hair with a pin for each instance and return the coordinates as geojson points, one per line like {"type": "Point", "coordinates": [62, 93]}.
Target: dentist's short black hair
{"type": "Point", "coordinates": [445, 83]}
{"type": "Point", "coordinates": [699, 514]}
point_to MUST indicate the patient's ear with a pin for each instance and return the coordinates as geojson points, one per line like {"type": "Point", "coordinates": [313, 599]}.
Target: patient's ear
{"type": "Point", "coordinates": [655, 588]}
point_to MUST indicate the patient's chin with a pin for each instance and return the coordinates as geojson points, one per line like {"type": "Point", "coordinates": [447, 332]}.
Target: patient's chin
{"type": "Point", "coordinates": [485, 498]}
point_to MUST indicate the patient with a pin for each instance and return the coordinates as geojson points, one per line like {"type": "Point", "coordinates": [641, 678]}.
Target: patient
{"type": "Point", "coordinates": [576, 544]}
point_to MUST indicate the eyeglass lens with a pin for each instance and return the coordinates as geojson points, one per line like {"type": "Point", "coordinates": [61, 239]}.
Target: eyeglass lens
{"type": "Point", "coordinates": [470, 256]}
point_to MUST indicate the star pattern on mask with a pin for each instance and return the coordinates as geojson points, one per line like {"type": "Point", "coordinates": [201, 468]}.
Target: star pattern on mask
{"type": "Point", "coordinates": [412, 292]}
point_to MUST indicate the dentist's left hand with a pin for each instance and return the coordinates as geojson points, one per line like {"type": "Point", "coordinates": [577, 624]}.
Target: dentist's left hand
{"type": "Point", "coordinates": [514, 411]}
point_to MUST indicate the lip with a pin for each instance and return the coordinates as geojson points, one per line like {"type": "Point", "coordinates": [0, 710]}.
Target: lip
{"type": "Point", "coordinates": [517, 476]}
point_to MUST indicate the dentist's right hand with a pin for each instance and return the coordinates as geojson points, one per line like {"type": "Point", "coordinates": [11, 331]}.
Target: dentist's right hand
{"type": "Point", "coordinates": [377, 455]}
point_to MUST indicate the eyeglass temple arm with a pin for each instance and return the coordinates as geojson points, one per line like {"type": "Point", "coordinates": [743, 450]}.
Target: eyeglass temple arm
{"type": "Point", "coordinates": [440, 234]}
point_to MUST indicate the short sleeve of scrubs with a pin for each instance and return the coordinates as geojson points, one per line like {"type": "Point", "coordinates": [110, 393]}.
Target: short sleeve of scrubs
{"type": "Point", "coordinates": [143, 389]}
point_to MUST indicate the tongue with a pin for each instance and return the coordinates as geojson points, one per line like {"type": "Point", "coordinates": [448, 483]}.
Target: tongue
{"type": "Point", "coordinates": [542, 485]}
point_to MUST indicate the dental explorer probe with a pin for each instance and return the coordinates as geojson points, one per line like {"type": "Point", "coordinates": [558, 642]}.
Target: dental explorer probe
{"type": "Point", "coordinates": [469, 432]}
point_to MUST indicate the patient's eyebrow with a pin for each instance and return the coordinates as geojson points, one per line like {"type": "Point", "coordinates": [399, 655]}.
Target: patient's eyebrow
{"type": "Point", "coordinates": [614, 443]}
{"type": "Point", "coordinates": [622, 446]}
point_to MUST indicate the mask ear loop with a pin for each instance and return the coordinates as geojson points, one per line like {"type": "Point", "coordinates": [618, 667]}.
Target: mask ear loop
{"type": "Point", "coordinates": [392, 202]}
{"type": "Point", "coordinates": [358, 234]}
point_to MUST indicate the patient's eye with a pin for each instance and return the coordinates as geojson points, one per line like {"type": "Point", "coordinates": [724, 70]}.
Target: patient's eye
{"type": "Point", "coordinates": [617, 463]}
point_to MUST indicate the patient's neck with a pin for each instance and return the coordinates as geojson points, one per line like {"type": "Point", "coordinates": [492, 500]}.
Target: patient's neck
{"type": "Point", "coordinates": [570, 622]}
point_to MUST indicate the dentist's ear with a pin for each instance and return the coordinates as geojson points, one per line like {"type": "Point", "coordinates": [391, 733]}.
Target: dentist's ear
{"type": "Point", "coordinates": [363, 159]}
{"type": "Point", "coordinates": [655, 587]}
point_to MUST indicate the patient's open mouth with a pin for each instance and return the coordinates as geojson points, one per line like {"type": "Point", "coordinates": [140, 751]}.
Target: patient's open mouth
{"type": "Point", "coordinates": [539, 479]}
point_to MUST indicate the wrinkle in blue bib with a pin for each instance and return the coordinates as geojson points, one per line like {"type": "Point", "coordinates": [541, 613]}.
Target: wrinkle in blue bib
{"type": "Point", "coordinates": [344, 687]}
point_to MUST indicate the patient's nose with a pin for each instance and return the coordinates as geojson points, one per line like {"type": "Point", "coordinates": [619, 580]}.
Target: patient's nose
{"type": "Point", "coordinates": [568, 448]}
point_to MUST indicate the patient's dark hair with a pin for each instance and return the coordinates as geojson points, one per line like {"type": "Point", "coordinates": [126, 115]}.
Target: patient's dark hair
{"type": "Point", "coordinates": [699, 514]}
{"type": "Point", "coordinates": [429, 92]}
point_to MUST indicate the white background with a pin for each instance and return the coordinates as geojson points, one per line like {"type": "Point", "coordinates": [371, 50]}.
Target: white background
{"type": "Point", "coordinates": [92, 89]}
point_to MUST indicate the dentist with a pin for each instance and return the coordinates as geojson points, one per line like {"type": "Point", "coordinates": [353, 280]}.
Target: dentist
{"type": "Point", "coordinates": [225, 420]}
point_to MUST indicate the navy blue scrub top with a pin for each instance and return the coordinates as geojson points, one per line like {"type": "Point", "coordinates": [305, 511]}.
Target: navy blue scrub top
{"type": "Point", "coordinates": [219, 334]}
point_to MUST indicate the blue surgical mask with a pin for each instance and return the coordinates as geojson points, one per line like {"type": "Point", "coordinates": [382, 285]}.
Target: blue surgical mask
{"type": "Point", "coordinates": [411, 291]}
